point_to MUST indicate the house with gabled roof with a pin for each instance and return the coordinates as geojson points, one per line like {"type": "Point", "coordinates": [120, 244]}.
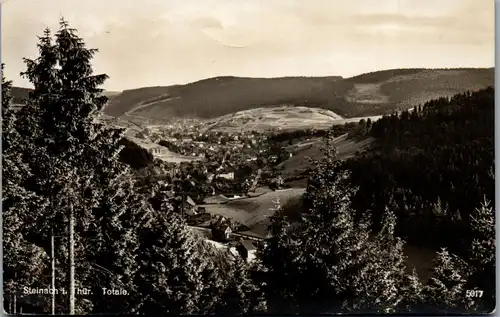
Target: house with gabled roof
{"type": "Point", "coordinates": [247, 250]}
{"type": "Point", "coordinates": [221, 230]}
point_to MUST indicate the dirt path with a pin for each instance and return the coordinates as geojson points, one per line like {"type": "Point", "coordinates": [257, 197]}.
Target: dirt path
{"type": "Point", "coordinates": [129, 112]}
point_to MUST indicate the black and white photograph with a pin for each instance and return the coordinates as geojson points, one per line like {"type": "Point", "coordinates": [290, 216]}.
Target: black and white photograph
{"type": "Point", "coordinates": [248, 157]}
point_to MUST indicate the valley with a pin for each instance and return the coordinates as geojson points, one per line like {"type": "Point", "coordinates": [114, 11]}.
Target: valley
{"type": "Point", "coordinates": [257, 139]}
{"type": "Point", "coordinates": [141, 177]}
{"type": "Point", "coordinates": [235, 149]}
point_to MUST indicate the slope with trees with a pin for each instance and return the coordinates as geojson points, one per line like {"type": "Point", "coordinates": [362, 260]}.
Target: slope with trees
{"type": "Point", "coordinates": [433, 167]}
{"type": "Point", "coordinates": [328, 263]}
{"type": "Point", "coordinates": [365, 95]}
{"type": "Point", "coordinates": [356, 213]}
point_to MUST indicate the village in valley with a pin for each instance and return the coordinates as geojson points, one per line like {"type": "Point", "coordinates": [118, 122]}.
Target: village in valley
{"type": "Point", "coordinates": [248, 158]}
{"type": "Point", "coordinates": [231, 181]}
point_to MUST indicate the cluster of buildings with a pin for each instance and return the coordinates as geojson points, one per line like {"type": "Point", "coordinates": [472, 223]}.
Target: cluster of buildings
{"type": "Point", "coordinates": [218, 231]}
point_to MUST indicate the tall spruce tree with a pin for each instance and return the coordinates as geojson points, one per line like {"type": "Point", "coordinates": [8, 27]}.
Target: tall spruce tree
{"type": "Point", "coordinates": [334, 264]}
{"type": "Point", "coordinates": [335, 248]}
{"type": "Point", "coordinates": [275, 269]}
{"type": "Point", "coordinates": [112, 243]}
{"type": "Point", "coordinates": [73, 157]}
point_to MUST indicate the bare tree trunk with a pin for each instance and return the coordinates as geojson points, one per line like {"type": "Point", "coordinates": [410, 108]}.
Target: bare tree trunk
{"type": "Point", "coordinates": [183, 205]}
{"type": "Point", "coordinates": [53, 286]}
{"type": "Point", "coordinates": [14, 300]}
{"type": "Point", "coordinates": [71, 261]}
{"type": "Point", "coordinates": [11, 309]}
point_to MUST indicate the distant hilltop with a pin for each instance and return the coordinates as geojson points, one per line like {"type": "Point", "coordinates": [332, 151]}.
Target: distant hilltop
{"type": "Point", "coordinates": [369, 94]}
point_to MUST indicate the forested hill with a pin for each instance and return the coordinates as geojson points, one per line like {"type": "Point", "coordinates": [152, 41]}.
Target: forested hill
{"type": "Point", "coordinates": [432, 166]}
{"type": "Point", "coordinates": [364, 95]}
{"type": "Point", "coordinates": [367, 94]}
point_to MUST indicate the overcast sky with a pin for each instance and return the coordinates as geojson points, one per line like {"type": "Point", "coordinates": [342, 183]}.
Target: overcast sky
{"type": "Point", "coordinates": [163, 42]}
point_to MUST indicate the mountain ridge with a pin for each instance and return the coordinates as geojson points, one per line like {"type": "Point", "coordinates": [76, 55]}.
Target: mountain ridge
{"type": "Point", "coordinates": [367, 94]}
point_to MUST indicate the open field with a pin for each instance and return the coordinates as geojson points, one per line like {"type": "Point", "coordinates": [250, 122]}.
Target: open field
{"type": "Point", "coordinates": [254, 212]}
{"type": "Point", "coordinates": [280, 118]}
{"type": "Point", "coordinates": [283, 118]}
{"type": "Point", "coordinates": [311, 149]}
{"type": "Point", "coordinates": [221, 199]}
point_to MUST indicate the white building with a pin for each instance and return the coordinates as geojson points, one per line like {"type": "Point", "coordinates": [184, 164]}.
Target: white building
{"type": "Point", "coordinates": [227, 175]}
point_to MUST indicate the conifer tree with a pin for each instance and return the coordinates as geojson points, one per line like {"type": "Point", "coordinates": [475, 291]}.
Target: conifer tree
{"type": "Point", "coordinates": [276, 267]}
{"type": "Point", "coordinates": [112, 243]}
{"type": "Point", "coordinates": [385, 283]}
{"type": "Point", "coordinates": [241, 295]}
{"type": "Point", "coordinates": [337, 265]}
{"type": "Point", "coordinates": [445, 291]}
{"type": "Point", "coordinates": [216, 276]}
{"type": "Point", "coordinates": [73, 156]}
{"type": "Point", "coordinates": [170, 274]}
{"type": "Point", "coordinates": [335, 248]}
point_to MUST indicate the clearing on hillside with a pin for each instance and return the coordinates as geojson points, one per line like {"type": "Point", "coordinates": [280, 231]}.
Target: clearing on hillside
{"type": "Point", "coordinates": [254, 212]}
{"type": "Point", "coordinates": [311, 149]}
{"type": "Point", "coordinates": [282, 118]}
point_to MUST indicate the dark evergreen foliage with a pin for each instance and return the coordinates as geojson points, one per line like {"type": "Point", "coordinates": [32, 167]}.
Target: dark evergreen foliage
{"type": "Point", "coordinates": [432, 166]}
{"type": "Point", "coordinates": [134, 155]}
{"type": "Point", "coordinates": [328, 263]}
